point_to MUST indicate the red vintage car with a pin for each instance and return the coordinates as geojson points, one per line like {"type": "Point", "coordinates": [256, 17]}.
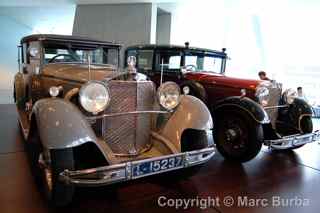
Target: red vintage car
{"type": "Point", "coordinates": [247, 113]}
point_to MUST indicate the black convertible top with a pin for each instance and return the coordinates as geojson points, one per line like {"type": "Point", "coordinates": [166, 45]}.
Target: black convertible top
{"type": "Point", "coordinates": [67, 38]}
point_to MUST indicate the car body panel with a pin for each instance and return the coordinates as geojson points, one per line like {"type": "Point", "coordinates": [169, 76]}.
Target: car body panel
{"type": "Point", "coordinates": [61, 124]}
{"type": "Point", "coordinates": [190, 114]}
{"type": "Point", "coordinates": [77, 72]}
{"type": "Point", "coordinates": [222, 80]}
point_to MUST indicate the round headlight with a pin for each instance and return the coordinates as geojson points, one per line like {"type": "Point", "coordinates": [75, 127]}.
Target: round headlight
{"type": "Point", "coordinates": [289, 95]}
{"type": "Point", "coordinates": [169, 95]}
{"type": "Point", "coordinates": [94, 97]}
{"type": "Point", "coordinates": [186, 90]}
{"type": "Point", "coordinates": [262, 93]}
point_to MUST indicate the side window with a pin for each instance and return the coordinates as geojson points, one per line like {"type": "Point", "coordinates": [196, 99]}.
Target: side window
{"type": "Point", "coordinates": [191, 60]}
{"type": "Point", "coordinates": [213, 64]}
{"type": "Point", "coordinates": [145, 58]}
{"type": "Point", "coordinates": [168, 60]}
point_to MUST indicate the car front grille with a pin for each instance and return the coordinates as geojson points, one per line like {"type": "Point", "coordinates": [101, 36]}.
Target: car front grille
{"type": "Point", "coordinates": [128, 133]}
{"type": "Point", "coordinates": [275, 94]}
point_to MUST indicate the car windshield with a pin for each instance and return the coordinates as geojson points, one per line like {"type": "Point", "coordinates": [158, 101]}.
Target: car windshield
{"type": "Point", "coordinates": [68, 53]}
{"type": "Point", "coordinates": [200, 61]}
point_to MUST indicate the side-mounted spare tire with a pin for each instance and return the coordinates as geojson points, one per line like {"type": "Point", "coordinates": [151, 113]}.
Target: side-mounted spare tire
{"type": "Point", "coordinates": [238, 137]}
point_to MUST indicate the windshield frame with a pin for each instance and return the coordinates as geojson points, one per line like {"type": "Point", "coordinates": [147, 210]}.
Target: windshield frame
{"type": "Point", "coordinates": [85, 46]}
{"type": "Point", "coordinates": [222, 56]}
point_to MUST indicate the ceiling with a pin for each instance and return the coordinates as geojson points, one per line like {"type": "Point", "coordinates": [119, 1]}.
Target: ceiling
{"type": "Point", "coordinates": [24, 3]}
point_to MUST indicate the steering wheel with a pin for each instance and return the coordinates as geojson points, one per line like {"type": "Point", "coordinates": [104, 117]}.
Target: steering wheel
{"type": "Point", "coordinates": [72, 58]}
{"type": "Point", "coordinates": [191, 67]}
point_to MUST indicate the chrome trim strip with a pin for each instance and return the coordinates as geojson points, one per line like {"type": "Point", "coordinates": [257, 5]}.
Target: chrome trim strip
{"type": "Point", "coordinates": [124, 113]}
{"type": "Point", "coordinates": [123, 172]}
{"type": "Point", "coordinates": [293, 140]}
{"type": "Point", "coordinates": [274, 107]}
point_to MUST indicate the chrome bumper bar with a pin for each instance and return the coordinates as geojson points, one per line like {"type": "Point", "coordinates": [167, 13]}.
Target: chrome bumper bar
{"type": "Point", "coordinates": [293, 140]}
{"type": "Point", "coordinates": [123, 172]}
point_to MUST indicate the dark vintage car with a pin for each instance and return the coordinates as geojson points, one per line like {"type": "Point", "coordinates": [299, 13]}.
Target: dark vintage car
{"type": "Point", "coordinates": [247, 113]}
{"type": "Point", "coordinates": [88, 123]}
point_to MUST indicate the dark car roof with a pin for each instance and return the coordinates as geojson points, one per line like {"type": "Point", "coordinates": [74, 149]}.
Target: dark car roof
{"type": "Point", "coordinates": [157, 46]}
{"type": "Point", "coordinates": [66, 38]}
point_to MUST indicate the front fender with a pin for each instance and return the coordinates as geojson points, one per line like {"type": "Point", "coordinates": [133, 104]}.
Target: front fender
{"type": "Point", "coordinates": [191, 113]}
{"type": "Point", "coordinates": [253, 109]}
{"type": "Point", "coordinates": [296, 111]}
{"type": "Point", "coordinates": [61, 124]}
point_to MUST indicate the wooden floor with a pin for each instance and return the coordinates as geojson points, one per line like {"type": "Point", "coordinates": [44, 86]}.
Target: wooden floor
{"type": "Point", "coordinates": [290, 176]}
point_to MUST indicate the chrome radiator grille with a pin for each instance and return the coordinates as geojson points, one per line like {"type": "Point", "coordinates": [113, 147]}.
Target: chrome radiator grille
{"type": "Point", "coordinates": [129, 133]}
{"type": "Point", "coordinates": [275, 94]}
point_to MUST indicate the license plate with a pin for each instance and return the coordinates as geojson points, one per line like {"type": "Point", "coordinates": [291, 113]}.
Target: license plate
{"type": "Point", "coordinates": [156, 166]}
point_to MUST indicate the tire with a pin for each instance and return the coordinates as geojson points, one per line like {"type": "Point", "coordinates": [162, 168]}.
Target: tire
{"type": "Point", "coordinates": [56, 192]}
{"type": "Point", "coordinates": [60, 194]}
{"type": "Point", "coordinates": [14, 94]}
{"type": "Point", "coordinates": [238, 137]}
{"type": "Point", "coordinates": [306, 125]}
{"type": "Point", "coordinates": [188, 138]}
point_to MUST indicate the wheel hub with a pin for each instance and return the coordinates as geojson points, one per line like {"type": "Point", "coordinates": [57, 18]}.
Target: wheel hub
{"type": "Point", "coordinates": [232, 134]}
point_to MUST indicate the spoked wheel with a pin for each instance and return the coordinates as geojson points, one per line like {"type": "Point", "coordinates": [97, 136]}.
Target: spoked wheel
{"type": "Point", "coordinates": [238, 137]}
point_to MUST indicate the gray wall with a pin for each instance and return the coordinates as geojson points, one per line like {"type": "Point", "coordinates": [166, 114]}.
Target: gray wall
{"type": "Point", "coordinates": [124, 23]}
{"type": "Point", "coordinates": [163, 28]}
{"type": "Point", "coordinates": [17, 22]}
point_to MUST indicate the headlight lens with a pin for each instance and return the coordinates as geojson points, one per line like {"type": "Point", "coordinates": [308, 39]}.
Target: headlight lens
{"type": "Point", "coordinates": [94, 97]}
{"type": "Point", "coordinates": [262, 93]}
{"type": "Point", "coordinates": [54, 91]}
{"type": "Point", "coordinates": [169, 95]}
{"type": "Point", "coordinates": [289, 95]}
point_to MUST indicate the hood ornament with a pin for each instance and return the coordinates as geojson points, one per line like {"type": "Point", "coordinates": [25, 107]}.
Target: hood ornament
{"type": "Point", "coordinates": [132, 61]}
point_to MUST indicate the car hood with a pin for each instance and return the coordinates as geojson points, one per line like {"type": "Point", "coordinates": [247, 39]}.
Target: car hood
{"type": "Point", "coordinates": [220, 79]}
{"type": "Point", "coordinates": [78, 72]}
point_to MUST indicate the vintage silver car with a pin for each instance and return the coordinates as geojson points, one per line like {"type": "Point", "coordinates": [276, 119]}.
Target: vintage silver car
{"type": "Point", "coordinates": [88, 123]}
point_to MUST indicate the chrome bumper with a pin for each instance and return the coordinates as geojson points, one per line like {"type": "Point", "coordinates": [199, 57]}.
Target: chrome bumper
{"type": "Point", "coordinates": [123, 172]}
{"type": "Point", "coordinates": [293, 140]}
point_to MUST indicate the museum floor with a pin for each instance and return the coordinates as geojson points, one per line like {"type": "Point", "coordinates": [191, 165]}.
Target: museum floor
{"type": "Point", "coordinates": [290, 175]}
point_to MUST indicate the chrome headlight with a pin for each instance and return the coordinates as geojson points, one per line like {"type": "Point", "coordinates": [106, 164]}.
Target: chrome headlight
{"type": "Point", "coordinates": [289, 95]}
{"type": "Point", "coordinates": [94, 97]}
{"type": "Point", "coordinates": [263, 94]}
{"type": "Point", "coordinates": [169, 95]}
